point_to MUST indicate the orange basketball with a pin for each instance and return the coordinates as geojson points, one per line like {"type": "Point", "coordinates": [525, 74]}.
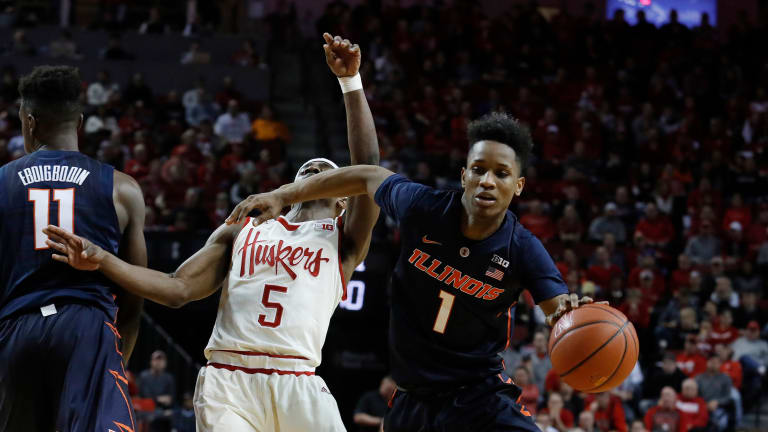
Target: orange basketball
{"type": "Point", "coordinates": [593, 348]}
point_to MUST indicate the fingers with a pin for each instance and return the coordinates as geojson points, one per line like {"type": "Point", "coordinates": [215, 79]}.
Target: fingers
{"type": "Point", "coordinates": [60, 258]}
{"type": "Point", "coordinates": [328, 38]}
{"type": "Point", "coordinates": [586, 300]}
{"type": "Point", "coordinates": [574, 299]}
{"type": "Point", "coordinates": [57, 246]}
{"type": "Point", "coordinates": [234, 217]}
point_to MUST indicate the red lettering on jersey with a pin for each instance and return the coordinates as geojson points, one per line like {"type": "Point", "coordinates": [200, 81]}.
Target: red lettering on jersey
{"type": "Point", "coordinates": [286, 256]}
{"type": "Point", "coordinates": [419, 264]}
{"type": "Point", "coordinates": [444, 274]}
{"type": "Point", "coordinates": [492, 294]}
{"type": "Point", "coordinates": [457, 279]}
{"type": "Point", "coordinates": [485, 289]}
{"type": "Point", "coordinates": [431, 270]}
{"type": "Point", "coordinates": [472, 286]}
{"type": "Point", "coordinates": [415, 255]}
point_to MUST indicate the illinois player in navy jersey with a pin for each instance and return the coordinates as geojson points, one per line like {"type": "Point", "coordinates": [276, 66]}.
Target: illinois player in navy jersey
{"type": "Point", "coordinates": [61, 366]}
{"type": "Point", "coordinates": [464, 261]}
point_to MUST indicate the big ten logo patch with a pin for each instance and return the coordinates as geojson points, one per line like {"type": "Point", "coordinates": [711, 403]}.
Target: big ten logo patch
{"type": "Point", "coordinates": [323, 226]}
{"type": "Point", "coordinates": [500, 261]}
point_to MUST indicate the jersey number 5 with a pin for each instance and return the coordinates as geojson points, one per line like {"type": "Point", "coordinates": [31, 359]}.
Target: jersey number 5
{"type": "Point", "coordinates": [41, 199]}
{"type": "Point", "coordinates": [446, 304]}
{"type": "Point", "coordinates": [277, 306]}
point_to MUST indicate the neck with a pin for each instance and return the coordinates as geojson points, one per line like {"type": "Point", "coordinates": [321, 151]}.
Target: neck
{"type": "Point", "coordinates": [311, 210]}
{"type": "Point", "coordinates": [478, 227]}
{"type": "Point", "coordinates": [63, 142]}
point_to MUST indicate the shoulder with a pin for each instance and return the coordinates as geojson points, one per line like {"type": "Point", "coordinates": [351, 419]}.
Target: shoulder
{"type": "Point", "coordinates": [127, 188]}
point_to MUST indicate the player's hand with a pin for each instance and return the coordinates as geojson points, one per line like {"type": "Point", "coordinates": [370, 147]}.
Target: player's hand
{"type": "Point", "coordinates": [269, 204]}
{"type": "Point", "coordinates": [567, 303]}
{"type": "Point", "coordinates": [342, 56]}
{"type": "Point", "coordinates": [76, 251]}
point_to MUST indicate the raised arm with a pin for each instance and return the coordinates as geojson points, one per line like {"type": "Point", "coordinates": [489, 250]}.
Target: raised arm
{"type": "Point", "coordinates": [198, 277]}
{"type": "Point", "coordinates": [343, 59]}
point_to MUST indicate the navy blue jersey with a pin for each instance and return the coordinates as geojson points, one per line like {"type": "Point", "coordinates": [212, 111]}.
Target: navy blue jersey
{"type": "Point", "coordinates": [453, 298]}
{"type": "Point", "coordinates": [62, 188]}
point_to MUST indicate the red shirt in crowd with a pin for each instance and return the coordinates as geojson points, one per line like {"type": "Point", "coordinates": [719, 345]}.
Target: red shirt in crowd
{"type": "Point", "coordinates": [658, 418]}
{"type": "Point", "coordinates": [539, 225]}
{"type": "Point", "coordinates": [659, 230]}
{"type": "Point", "coordinates": [611, 418]}
{"type": "Point", "coordinates": [639, 313]}
{"type": "Point", "coordinates": [565, 415]}
{"type": "Point", "coordinates": [680, 278]}
{"type": "Point", "coordinates": [530, 397]}
{"type": "Point", "coordinates": [742, 215]}
{"type": "Point", "coordinates": [659, 287]}
{"type": "Point", "coordinates": [732, 368]}
{"type": "Point", "coordinates": [695, 413]}
{"type": "Point", "coordinates": [136, 169]}
{"type": "Point", "coordinates": [691, 364]}
{"type": "Point", "coordinates": [725, 336]}
{"type": "Point", "coordinates": [601, 275]}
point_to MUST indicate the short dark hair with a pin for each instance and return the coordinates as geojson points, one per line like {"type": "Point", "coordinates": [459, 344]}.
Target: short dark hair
{"type": "Point", "coordinates": [52, 93]}
{"type": "Point", "coordinates": [502, 127]}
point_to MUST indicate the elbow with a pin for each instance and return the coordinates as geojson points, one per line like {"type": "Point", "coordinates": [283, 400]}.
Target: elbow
{"type": "Point", "coordinates": [177, 301]}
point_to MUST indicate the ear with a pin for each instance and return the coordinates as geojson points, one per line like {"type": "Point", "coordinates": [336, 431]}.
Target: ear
{"type": "Point", "coordinates": [519, 186]}
{"type": "Point", "coordinates": [80, 122]}
{"type": "Point", "coordinates": [31, 123]}
{"type": "Point", "coordinates": [463, 180]}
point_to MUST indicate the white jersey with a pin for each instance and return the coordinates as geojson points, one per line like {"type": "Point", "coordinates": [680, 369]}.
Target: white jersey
{"type": "Point", "coordinates": [284, 284]}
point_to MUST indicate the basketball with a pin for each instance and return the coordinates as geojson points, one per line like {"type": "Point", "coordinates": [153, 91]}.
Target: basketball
{"type": "Point", "coordinates": [593, 348]}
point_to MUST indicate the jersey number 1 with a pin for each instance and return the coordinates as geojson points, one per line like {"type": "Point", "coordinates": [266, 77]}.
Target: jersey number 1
{"type": "Point", "coordinates": [446, 304]}
{"type": "Point", "coordinates": [41, 199]}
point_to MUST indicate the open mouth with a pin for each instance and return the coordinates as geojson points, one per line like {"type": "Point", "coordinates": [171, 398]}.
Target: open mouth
{"type": "Point", "coordinates": [484, 199]}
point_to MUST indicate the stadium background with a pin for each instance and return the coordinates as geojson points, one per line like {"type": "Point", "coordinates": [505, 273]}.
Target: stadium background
{"type": "Point", "coordinates": [620, 114]}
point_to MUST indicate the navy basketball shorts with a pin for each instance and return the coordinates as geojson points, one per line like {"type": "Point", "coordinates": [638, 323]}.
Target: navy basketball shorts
{"type": "Point", "coordinates": [490, 405]}
{"type": "Point", "coordinates": [63, 372]}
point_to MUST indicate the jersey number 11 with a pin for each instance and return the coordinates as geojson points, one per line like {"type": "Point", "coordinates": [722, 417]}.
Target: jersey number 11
{"type": "Point", "coordinates": [41, 199]}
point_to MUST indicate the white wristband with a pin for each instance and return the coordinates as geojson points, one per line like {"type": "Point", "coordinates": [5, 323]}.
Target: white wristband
{"type": "Point", "coordinates": [349, 84]}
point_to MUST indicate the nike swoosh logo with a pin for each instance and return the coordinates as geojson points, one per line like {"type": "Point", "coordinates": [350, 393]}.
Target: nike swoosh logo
{"type": "Point", "coordinates": [427, 241]}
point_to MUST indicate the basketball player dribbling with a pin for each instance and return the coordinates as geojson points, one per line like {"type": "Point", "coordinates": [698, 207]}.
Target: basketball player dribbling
{"type": "Point", "coordinates": [464, 261]}
{"type": "Point", "coordinates": [282, 282]}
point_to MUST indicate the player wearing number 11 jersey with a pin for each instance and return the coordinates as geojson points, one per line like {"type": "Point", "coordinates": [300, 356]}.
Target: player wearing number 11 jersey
{"type": "Point", "coordinates": [61, 366]}
{"type": "Point", "coordinates": [464, 261]}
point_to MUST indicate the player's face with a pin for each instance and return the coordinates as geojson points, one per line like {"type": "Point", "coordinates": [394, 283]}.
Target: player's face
{"type": "Point", "coordinates": [491, 178]}
{"type": "Point", "coordinates": [316, 167]}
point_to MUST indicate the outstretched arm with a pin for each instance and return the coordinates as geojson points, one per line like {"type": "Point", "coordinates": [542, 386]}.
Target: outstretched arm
{"type": "Point", "coordinates": [343, 182]}
{"type": "Point", "coordinates": [343, 59]}
{"type": "Point", "coordinates": [196, 278]}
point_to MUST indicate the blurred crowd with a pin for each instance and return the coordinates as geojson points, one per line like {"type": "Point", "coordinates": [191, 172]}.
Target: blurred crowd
{"type": "Point", "coordinates": [648, 185]}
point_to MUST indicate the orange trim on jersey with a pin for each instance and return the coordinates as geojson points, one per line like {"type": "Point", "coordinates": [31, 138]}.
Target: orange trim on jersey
{"type": "Point", "coordinates": [289, 226]}
{"type": "Point", "coordinates": [127, 404]}
{"type": "Point", "coordinates": [258, 370]}
{"type": "Point", "coordinates": [509, 327]}
{"type": "Point", "coordinates": [392, 398]}
{"type": "Point", "coordinates": [255, 353]}
{"type": "Point", "coordinates": [523, 409]}
{"type": "Point", "coordinates": [340, 228]}
{"type": "Point", "coordinates": [122, 427]}
{"type": "Point", "coordinates": [117, 336]}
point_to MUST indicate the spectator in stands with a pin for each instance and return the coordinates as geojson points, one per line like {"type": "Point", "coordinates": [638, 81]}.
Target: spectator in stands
{"type": "Point", "coordinates": [609, 222]}
{"type": "Point", "coordinates": [724, 296]}
{"type": "Point", "coordinates": [247, 185]}
{"type": "Point", "coordinates": [749, 309]}
{"type": "Point", "coordinates": [193, 212]}
{"type": "Point", "coordinates": [537, 222]}
{"type": "Point", "coordinates": [665, 416]}
{"type": "Point", "coordinates": [572, 399]}
{"type": "Point", "coordinates": [690, 361]}
{"type": "Point", "coordinates": [529, 397]}
{"type": "Point", "coordinates": [569, 227]}
{"type": "Point", "coordinates": [266, 128]}
{"type": "Point", "coordinates": [750, 345]}
{"type": "Point", "coordinates": [233, 125]}
{"type": "Point", "coordinates": [64, 47]}
{"type": "Point", "coordinates": [195, 55]}
{"type": "Point", "coordinates": [372, 406]}
{"type": "Point", "coordinates": [608, 411]}
{"type": "Point", "coordinates": [138, 166]}
{"type": "Point", "coordinates": [715, 388]}
{"type": "Point", "coordinates": [101, 121]}
{"type": "Point", "coordinates": [138, 90]}
{"type": "Point", "coordinates": [693, 407]}
{"type": "Point", "coordinates": [562, 418]}
{"type": "Point", "coordinates": [603, 270]}
{"type": "Point", "coordinates": [114, 50]}
{"type": "Point", "coordinates": [21, 45]}
{"type": "Point", "coordinates": [201, 109]}
{"type": "Point", "coordinates": [540, 362]}
{"type": "Point", "coordinates": [221, 209]}
{"type": "Point", "coordinates": [154, 24]}
{"type": "Point", "coordinates": [544, 422]}
{"type": "Point", "coordinates": [638, 425]}
{"type": "Point", "coordinates": [723, 331]}
{"type": "Point", "coordinates": [100, 92]}
{"type": "Point", "coordinates": [157, 384]}
{"type": "Point", "coordinates": [655, 227]}
{"type": "Point", "coordinates": [701, 248]}
{"type": "Point", "coordinates": [587, 421]}
{"type": "Point", "coordinates": [184, 417]}
{"type": "Point", "coordinates": [247, 56]}
{"type": "Point", "coordinates": [665, 375]}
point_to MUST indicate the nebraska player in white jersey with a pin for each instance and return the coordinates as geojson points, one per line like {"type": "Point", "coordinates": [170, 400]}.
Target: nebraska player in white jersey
{"type": "Point", "coordinates": [282, 281]}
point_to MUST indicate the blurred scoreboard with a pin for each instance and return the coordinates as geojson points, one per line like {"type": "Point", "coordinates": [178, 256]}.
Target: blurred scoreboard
{"type": "Point", "coordinates": [657, 11]}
